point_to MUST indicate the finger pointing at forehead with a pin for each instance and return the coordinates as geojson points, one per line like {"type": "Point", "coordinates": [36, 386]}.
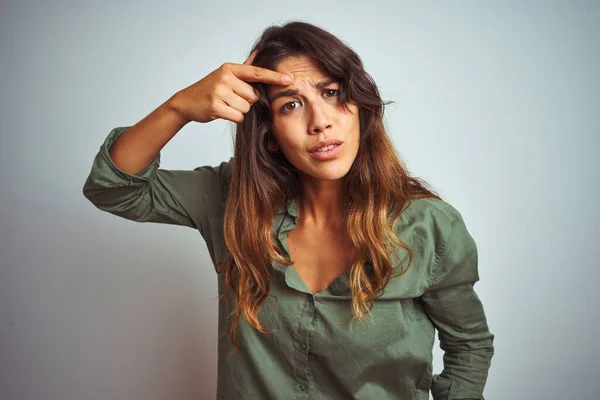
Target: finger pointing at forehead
{"type": "Point", "coordinates": [250, 73]}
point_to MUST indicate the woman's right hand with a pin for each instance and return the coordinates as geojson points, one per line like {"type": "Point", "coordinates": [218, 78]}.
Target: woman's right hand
{"type": "Point", "coordinates": [225, 93]}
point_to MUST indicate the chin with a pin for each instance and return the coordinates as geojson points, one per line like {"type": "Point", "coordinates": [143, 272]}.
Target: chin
{"type": "Point", "coordinates": [329, 173]}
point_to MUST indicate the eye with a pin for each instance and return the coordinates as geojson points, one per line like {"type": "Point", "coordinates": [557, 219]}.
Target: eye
{"type": "Point", "coordinates": [331, 93]}
{"type": "Point", "coordinates": [287, 106]}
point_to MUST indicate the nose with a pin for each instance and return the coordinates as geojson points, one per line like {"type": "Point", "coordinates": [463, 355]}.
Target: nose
{"type": "Point", "coordinates": [319, 119]}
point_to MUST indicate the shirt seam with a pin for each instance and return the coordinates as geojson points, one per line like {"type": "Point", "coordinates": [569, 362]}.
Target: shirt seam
{"type": "Point", "coordinates": [440, 256]}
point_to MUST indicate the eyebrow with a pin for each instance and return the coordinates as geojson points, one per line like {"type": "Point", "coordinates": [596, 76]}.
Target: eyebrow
{"type": "Point", "coordinates": [294, 92]}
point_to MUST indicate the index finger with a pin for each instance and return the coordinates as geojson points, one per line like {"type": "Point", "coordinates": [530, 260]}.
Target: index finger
{"type": "Point", "coordinates": [251, 73]}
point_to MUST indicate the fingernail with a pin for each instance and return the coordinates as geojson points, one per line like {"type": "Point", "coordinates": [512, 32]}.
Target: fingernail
{"type": "Point", "coordinates": [286, 79]}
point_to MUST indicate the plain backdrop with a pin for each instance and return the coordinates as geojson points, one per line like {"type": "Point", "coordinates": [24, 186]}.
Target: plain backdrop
{"type": "Point", "coordinates": [497, 107]}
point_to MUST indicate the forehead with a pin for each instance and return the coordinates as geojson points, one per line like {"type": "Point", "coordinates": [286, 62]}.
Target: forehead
{"type": "Point", "coordinates": [300, 65]}
{"type": "Point", "coordinates": [302, 69]}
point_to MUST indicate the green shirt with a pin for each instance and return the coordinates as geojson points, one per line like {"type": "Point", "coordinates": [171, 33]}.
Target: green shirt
{"type": "Point", "coordinates": [312, 352]}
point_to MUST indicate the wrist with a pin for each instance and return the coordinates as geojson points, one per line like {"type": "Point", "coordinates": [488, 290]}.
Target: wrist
{"type": "Point", "coordinates": [173, 107]}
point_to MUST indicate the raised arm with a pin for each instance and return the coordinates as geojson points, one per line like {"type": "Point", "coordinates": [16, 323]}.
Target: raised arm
{"type": "Point", "coordinates": [126, 180]}
{"type": "Point", "coordinates": [224, 93]}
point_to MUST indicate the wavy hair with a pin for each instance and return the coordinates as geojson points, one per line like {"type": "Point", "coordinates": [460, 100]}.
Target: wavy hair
{"type": "Point", "coordinates": [378, 185]}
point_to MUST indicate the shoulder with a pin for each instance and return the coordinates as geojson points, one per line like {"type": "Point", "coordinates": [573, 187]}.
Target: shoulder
{"type": "Point", "coordinates": [432, 213]}
{"type": "Point", "coordinates": [433, 228]}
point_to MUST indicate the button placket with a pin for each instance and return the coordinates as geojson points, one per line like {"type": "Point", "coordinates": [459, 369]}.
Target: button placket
{"type": "Point", "coordinates": [306, 329]}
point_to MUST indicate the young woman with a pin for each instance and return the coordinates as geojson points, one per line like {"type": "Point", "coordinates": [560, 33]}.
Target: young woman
{"type": "Point", "coordinates": [335, 266]}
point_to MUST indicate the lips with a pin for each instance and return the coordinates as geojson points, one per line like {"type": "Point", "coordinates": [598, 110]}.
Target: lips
{"type": "Point", "coordinates": [324, 143]}
{"type": "Point", "coordinates": [327, 155]}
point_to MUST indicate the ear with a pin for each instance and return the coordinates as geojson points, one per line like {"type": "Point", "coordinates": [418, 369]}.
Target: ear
{"type": "Point", "coordinates": [272, 145]}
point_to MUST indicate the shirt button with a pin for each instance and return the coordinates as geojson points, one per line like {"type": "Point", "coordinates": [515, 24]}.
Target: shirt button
{"type": "Point", "coordinates": [301, 387]}
{"type": "Point", "coordinates": [303, 346]}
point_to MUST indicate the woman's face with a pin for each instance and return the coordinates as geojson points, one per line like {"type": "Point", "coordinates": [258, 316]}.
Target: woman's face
{"type": "Point", "coordinates": [307, 113]}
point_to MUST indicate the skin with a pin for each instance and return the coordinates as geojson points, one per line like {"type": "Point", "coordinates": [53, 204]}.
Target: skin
{"type": "Point", "coordinates": [303, 120]}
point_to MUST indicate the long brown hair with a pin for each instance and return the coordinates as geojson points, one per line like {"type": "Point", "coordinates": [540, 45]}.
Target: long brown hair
{"type": "Point", "coordinates": [378, 186]}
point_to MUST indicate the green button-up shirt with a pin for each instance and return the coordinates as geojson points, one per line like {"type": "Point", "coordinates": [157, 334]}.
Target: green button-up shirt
{"type": "Point", "coordinates": [313, 353]}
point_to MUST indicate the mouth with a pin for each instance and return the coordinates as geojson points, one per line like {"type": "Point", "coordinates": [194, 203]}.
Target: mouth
{"type": "Point", "coordinates": [324, 145]}
{"type": "Point", "coordinates": [326, 152]}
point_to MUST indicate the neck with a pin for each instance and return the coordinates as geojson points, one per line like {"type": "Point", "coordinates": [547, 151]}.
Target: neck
{"type": "Point", "coordinates": [322, 204]}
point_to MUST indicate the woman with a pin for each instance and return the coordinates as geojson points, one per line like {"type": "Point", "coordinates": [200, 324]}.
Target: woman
{"type": "Point", "coordinates": [335, 266]}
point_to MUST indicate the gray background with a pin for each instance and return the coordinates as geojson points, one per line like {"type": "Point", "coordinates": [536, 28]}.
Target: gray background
{"type": "Point", "coordinates": [497, 107]}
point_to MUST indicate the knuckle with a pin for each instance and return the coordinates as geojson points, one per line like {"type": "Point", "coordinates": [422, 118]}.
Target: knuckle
{"type": "Point", "coordinates": [257, 71]}
{"type": "Point", "coordinates": [218, 91]}
{"type": "Point", "coordinates": [212, 105]}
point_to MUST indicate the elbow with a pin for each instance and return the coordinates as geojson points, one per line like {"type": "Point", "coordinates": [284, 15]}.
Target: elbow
{"type": "Point", "coordinates": [90, 190]}
{"type": "Point", "coordinates": [87, 190]}
{"type": "Point", "coordinates": [99, 195]}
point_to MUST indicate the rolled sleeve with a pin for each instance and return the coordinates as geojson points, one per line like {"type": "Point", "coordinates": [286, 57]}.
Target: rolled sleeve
{"type": "Point", "coordinates": [182, 197]}
{"type": "Point", "coordinates": [458, 314]}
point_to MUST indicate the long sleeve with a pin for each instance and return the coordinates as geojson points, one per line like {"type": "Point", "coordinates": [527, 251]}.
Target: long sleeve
{"type": "Point", "coordinates": [187, 198]}
{"type": "Point", "coordinates": [457, 313]}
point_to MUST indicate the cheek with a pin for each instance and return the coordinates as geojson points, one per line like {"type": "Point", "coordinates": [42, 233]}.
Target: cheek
{"type": "Point", "coordinates": [351, 124]}
{"type": "Point", "coordinates": [286, 133]}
